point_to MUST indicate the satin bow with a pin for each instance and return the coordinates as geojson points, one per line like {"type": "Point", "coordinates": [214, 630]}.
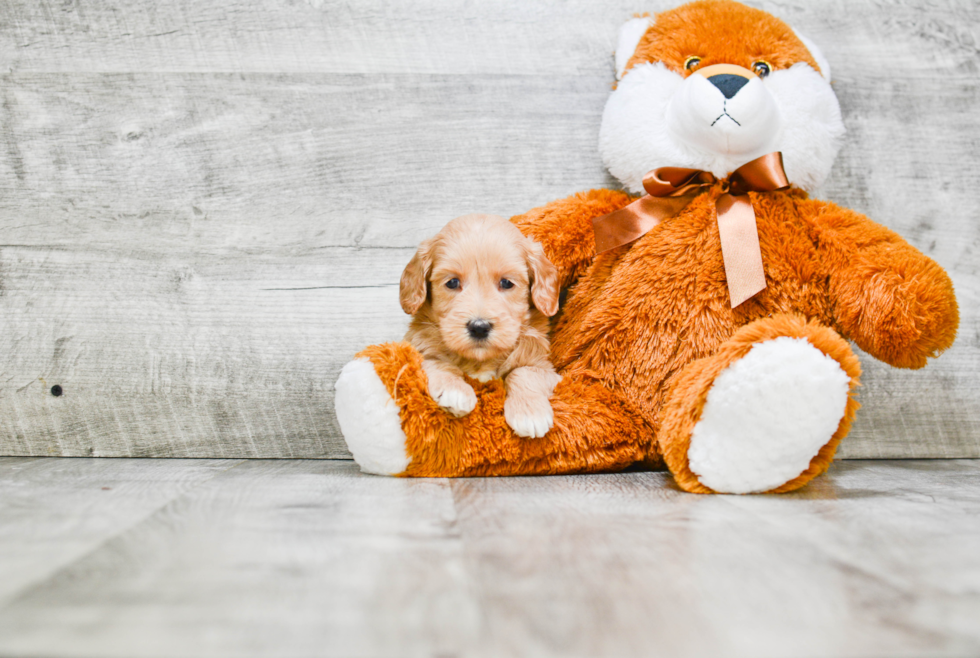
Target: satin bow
{"type": "Point", "coordinates": [670, 189]}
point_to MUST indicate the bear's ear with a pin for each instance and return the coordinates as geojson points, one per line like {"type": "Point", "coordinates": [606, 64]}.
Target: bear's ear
{"type": "Point", "coordinates": [817, 55]}
{"type": "Point", "coordinates": [629, 38]}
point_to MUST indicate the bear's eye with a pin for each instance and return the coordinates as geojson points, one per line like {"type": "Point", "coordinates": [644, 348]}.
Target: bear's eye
{"type": "Point", "coordinates": [506, 284]}
{"type": "Point", "coordinates": [692, 62]}
{"type": "Point", "coordinates": [452, 284]}
{"type": "Point", "coordinates": [761, 68]}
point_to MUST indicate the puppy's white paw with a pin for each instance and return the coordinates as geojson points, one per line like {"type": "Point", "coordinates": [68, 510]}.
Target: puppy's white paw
{"type": "Point", "coordinates": [529, 416]}
{"type": "Point", "coordinates": [449, 390]}
{"type": "Point", "coordinates": [456, 397]}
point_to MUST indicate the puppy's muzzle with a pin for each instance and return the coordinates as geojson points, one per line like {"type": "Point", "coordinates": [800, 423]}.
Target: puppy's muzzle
{"type": "Point", "coordinates": [478, 329]}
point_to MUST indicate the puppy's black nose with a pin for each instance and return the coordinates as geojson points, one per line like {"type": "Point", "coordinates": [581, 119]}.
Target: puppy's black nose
{"type": "Point", "coordinates": [728, 84]}
{"type": "Point", "coordinates": [478, 329]}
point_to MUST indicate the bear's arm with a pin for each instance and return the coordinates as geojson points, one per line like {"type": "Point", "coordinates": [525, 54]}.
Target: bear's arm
{"type": "Point", "coordinates": [896, 303]}
{"type": "Point", "coordinates": [564, 229]}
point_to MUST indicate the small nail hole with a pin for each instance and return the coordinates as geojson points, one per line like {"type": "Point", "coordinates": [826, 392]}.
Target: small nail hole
{"type": "Point", "coordinates": [56, 390]}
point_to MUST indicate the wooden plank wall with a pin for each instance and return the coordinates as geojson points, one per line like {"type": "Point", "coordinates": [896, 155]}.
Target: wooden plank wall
{"type": "Point", "coordinates": [205, 206]}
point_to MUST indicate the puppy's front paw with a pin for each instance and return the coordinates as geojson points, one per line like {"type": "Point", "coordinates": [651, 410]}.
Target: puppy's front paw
{"type": "Point", "coordinates": [455, 396]}
{"type": "Point", "coordinates": [529, 416]}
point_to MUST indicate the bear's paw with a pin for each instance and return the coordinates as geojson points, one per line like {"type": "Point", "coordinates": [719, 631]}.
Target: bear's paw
{"type": "Point", "coordinates": [369, 420]}
{"type": "Point", "coordinates": [766, 417]}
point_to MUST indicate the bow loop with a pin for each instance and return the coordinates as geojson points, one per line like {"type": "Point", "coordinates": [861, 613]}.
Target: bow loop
{"type": "Point", "coordinates": [765, 174]}
{"type": "Point", "coordinates": [670, 189]}
{"type": "Point", "coordinates": [675, 181]}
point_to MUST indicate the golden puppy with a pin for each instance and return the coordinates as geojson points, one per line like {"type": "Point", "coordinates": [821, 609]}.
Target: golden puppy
{"type": "Point", "coordinates": [481, 294]}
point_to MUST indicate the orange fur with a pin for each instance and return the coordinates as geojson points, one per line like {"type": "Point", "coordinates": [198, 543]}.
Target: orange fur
{"type": "Point", "coordinates": [689, 393]}
{"type": "Point", "coordinates": [636, 365]}
{"type": "Point", "coordinates": [738, 35]}
{"type": "Point", "coordinates": [647, 327]}
{"type": "Point", "coordinates": [595, 431]}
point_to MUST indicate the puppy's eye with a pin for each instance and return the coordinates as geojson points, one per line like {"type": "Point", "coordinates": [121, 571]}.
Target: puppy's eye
{"type": "Point", "coordinates": [692, 63]}
{"type": "Point", "coordinates": [452, 284]}
{"type": "Point", "coordinates": [761, 68]}
{"type": "Point", "coordinates": [506, 284]}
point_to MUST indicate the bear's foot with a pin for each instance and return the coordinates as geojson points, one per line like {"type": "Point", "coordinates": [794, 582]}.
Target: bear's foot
{"type": "Point", "coordinates": [765, 413]}
{"type": "Point", "coordinates": [369, 420]}
{"type": "Point", "coordinates": [394, 427]}
{"type": "Point", "coordinates": [766, 416]}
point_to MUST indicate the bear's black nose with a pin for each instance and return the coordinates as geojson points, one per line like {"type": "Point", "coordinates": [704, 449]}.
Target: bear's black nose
{"type": "Point", "coordinates": [478, 329]}
{"type": "Point", "coordinates": [727, 83]}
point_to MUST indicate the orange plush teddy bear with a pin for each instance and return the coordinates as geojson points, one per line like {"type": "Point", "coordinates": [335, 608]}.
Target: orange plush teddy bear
{"type": "Point", "coordinates": [706, 319]}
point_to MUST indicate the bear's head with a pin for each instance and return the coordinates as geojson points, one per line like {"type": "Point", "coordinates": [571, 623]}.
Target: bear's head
{"type": "Point", "coordinates": [712, 85]}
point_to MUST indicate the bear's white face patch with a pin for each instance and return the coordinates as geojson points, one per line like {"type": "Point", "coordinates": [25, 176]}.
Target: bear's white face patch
{"type": "Point", "coordinates": [747, 125]}
{"type": "Point", "coordinates": [657, 118]}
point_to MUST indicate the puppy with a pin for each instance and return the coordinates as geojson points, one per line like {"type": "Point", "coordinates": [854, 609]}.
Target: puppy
{"type": "Point", "coordinates": [480, 294]}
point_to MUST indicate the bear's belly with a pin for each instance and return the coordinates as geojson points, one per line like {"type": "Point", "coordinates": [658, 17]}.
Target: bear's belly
{"type": "Point", "coordinates": [642, 312]}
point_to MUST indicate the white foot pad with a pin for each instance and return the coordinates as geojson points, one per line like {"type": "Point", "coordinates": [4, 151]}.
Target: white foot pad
{"type": "Point", "coordinates": [767, 415]}
{"type": "Point", "coordinates": [369, 419]}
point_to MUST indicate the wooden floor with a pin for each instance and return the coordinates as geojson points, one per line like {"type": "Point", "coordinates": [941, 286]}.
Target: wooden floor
{"type": "Point", "coordinates": [111, 557]}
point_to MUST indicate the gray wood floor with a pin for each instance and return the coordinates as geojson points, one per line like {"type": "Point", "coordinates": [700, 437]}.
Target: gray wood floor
{"type": "Point", "coordinates": [125, 557]}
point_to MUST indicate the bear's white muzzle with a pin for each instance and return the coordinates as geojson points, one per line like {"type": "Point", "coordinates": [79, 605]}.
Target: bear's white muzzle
{"type": "Point", "coordinates": [725, 109]}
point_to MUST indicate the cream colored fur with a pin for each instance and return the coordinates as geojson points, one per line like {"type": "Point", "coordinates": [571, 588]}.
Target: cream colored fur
{"type": "Point", "coordinates": [480, 268]}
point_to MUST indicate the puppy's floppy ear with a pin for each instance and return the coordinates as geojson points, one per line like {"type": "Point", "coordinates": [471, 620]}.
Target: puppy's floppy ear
{"type": "Point", "coordinates": [544, 279]}
{"type": "Point", "coordinates": [414, 287]}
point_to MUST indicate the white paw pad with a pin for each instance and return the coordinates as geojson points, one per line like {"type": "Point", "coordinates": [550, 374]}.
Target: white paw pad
{"type": "Point", "coordinates": [766, 417]}
{"type": "Point", "coordinates": [369, 420]}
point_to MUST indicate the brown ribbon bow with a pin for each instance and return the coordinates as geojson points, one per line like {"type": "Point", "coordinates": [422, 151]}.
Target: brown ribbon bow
{"type": "Point", "coordinates": [670, 189]}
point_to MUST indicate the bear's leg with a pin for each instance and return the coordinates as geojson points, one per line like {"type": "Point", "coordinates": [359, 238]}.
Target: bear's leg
{"type": "Point", "coordinates": [764, 413]}
{"type": "Point", "coordinates": [393, 427]}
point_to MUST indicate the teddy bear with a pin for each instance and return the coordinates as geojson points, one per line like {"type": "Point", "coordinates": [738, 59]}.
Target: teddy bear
{"type": "Point", "coordinates": [709, 304]}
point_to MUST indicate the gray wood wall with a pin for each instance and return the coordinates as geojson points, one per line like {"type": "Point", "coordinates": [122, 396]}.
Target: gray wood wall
{"type": "Point", "coordinates": [205, 206]}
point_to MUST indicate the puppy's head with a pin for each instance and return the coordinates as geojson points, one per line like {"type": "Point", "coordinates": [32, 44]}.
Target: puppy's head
{"type": "Point", "coordinates": [480, 278]}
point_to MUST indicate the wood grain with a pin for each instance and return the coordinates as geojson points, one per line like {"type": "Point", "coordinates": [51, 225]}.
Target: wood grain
{"type": "Point", "coordinates": [230, 356]}
{"type": "Point", "coordinates": [627, 565]}
{"type": "Point", "coordinates": [163, 167]}
{"type": "Point", "coordinates": [309, 557]}
{"type": "Point", "coordinates": [258, 163]}
{"type": "Point", "coordinates": [299, 558]}
{"type": "Point", "coordinates": [56, 511]}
